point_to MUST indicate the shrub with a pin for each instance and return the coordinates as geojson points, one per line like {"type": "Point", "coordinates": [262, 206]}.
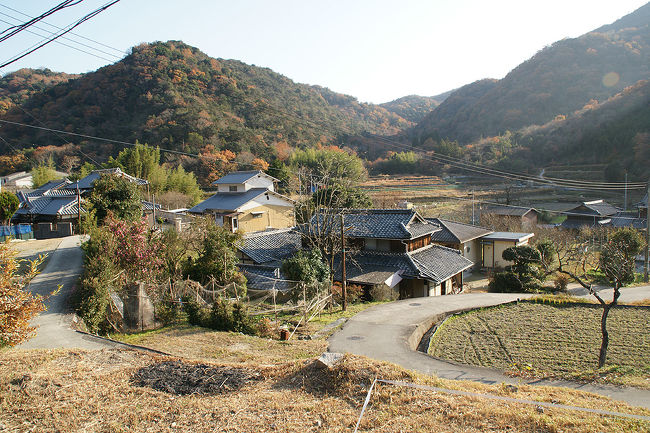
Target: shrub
{"type": "Point", "coordinates": [383, 293]}
{"type": "Point", "coordinates": [504, 282]}
{"type": "Point", "coordinates": [354, 293]}
{"type": "Point", "coordinates": [224, 315]}
{"type": "Point", "coordinates": [197, 314]}
{"type": "Point", "coordinates": [561, 282]}
{"type": "Point", "coordinates": [17, 305]}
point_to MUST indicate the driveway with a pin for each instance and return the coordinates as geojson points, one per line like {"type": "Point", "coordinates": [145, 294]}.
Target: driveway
{"type": "Point", "coordinates": [391, 332]}
{"type": "Point", "coordinates": [64, 266]}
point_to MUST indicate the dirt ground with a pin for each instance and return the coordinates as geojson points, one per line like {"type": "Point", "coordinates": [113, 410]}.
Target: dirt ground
{"type": "Point", "coordinates": [119, 390]}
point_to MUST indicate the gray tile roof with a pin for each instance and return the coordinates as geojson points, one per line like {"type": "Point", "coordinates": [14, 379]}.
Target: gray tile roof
{"type": "Point", "coordinates": [88, 181]}
{"type": "Point", "coordinates": [228, 201]}
{"type": "Point", "coordinates": [374, 223]}
{"type": "Point", "coordinates": [271, 246]}
{"type": "Point", "coordinates": [597, 207]}
{"type": "Point", "coordinates": [439, 263]}
{"type": "Point", "coordinates": [241, 177]}
{"type": "Point", "coordinates": [644, 202]}
{"type": "Point", "coordinates": [50, 206]}
{"type": "Point", "coordinates": [455, 233]}
{"type": "Point", "coordinates": [623, 220]}
{"type": "Point", "coordinates": [434, 262]}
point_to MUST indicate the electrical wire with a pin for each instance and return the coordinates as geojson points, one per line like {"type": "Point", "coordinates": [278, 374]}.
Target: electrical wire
{"type": "Point", "coordinates": [63, 43]}
{"type": "Point", "coordinates": [19, 28]}
{"type": "Point", "coordinates": [119, 51]}
{"type": "Point", "coordinates": [58, 35]}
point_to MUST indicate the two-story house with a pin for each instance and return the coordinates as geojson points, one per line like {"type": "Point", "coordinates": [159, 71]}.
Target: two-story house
{"type": "Point", "coordinates": [391, 247]}
{"type": "Point", "coordinates": [246, 201]}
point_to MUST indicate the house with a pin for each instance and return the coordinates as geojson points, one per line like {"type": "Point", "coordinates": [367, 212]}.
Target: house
{"type": "Point", "coordinates": [54, 209]}
{"type": "Point", "coordinates": [18, 180]}
{"type": "Point", "coordinates": [465, 238]}
{"type": "Point", "coordinates": [595, 213]}
{"type": "Point", "coordinates": [261, 255]}
{"type": "Point", "coordinates": [517, 216]}
{"type": "Point", "coordinates": [391, 247]}
{"type": "Point", "coordinates": [494, 244]}
{"type": "Point", "coordinates": [246, 201]}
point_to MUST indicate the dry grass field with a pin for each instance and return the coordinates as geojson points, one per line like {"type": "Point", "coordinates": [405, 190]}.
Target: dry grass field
{"type": "Point", "coordinates": [131, 391]}
{"type": "Point", "coordinates": [550, 341]}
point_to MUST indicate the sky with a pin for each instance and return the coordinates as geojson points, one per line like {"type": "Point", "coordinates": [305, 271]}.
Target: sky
{"type": "Point", "coordinates": [375, 50]}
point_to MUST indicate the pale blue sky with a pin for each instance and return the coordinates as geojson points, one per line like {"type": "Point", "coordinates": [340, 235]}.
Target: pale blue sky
{"type": "Point", "coordinates": [375, 50]}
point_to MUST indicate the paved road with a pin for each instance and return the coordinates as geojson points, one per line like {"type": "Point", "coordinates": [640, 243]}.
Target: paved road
{"type": "Point", "coordinates": [391, 332]}
{"type": "Point", "coordinates": [63, 267]}
{"type": "Point", "coordinates": [628, 294]}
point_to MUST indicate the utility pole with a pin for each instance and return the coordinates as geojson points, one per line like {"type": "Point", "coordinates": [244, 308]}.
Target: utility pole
{"type": "Point", "coordinates": [78, 209]}
{"type": "Point", "coordinates": [625, 199]}
{"type": "Point", "coordinates": [473, 220]}
{"type": "Point", "coordinates": [344, 287]}
{"type": "Point", "coordinates": [646, 263]}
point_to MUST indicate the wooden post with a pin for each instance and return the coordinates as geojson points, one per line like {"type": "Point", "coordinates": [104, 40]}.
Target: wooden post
{"type": "Point", "coordinates": [646, 263]}
{"type": "Point", "coordinates": [304, 300]}
{"type": "Point", "coordinates": [344, 288]}
{"type": "Point", "coordinates": [78, 209]}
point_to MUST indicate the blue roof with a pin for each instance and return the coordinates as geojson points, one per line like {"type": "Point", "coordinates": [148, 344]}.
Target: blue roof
{"type": "Point", "coordinates": [241, 177]}
{"type": "Point", "coordinates": [228, 201]}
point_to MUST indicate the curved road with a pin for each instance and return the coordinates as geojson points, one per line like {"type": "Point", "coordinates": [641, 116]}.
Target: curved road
{"type": "Point", "coordinates": [391, 332]}
{"type": "Point", "coordinates": [64, 266]}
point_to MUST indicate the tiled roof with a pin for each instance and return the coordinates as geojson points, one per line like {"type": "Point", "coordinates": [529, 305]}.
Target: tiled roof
{"type": "Point", "coordinates": [228, 201]}
{"type": "Point", "coordinates": [434, 262]}
{"type": "Point", "coordinates": [623, 220]}
{"type": "Point", "coordinates": [50, 186]}
{"type": "Point", "coordinates": [455, 232]}
{"type": "Point", "coordinates": [147, 205]}
{"type": "Point", "coordinates": [271, 246]}
{"type": "Point", "coordinates": [373, 223]}
{"type": "Point", "coordinates": [596, 207]}
{"type": "Point", "coordinates": [439, 263]}
{"type": "Point", "coordinates": [50, 206]}
{"type": "Point", "coordinates": [88, 181]}
{"type": "Point", "coordinates": [241, 177]}
{"type": "Point", "coordinates": [265, 278]}
{"type": "Point", "coordinates": [644, 202]}
{"type": "Point", "coordinates": [508, 210]}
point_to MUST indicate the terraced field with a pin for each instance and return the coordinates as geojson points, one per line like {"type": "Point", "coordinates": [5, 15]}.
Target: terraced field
{"type": "Point", "coordinates": [554, 341]}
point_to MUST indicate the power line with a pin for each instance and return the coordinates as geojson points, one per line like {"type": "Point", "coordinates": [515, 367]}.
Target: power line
{"type": "Point", "coordinates": [19, 28]}
{"type": "Point", "coordinates": [62, 43]}
{"type": "Point", "coordinates": [121, 52]}
{"type": "Point", "coordinates": [58, 35]}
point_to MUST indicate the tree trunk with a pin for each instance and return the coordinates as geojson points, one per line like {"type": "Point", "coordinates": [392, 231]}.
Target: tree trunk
{"type": "Point", "coordinates": [605, 341]}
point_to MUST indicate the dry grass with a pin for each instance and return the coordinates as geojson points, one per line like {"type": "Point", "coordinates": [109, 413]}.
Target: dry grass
{"type": "Point", "coordinates": [550, 341]}
{"type": "Point", "coordinates": [205, 344]}
{"type": "Point", "coordinates": [78, 391]}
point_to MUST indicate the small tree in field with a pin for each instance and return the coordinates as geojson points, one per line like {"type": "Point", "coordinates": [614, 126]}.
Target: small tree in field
{"type": "Point", "coordinates": [17, 306]}
{"type": "Point", "coordinates": [576, 256]}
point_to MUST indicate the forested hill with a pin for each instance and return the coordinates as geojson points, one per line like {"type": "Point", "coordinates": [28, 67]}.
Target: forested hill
{"type": "Point", "coordinates": [17, 87]}
{"type": "Point", "coordinates": [557, 81]}
{"type": "Point", "coordinates": [173, 95]}
{"type": "Point", "coordinates": [615, 133]}
{"type": "Point", "coordinates": [414, 107]}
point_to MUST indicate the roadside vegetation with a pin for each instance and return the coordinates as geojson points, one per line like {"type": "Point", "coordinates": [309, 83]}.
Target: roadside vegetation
{"type": "Point", "coordinates": [554, 338]}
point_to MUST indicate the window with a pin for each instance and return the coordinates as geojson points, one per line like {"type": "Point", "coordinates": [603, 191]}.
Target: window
{"type": "Point", "coordinates": [235, 224]}
{"type": "Point", "coordinates": [257, 214]}
{"type": "Point", "coordinates": [232, 188]}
